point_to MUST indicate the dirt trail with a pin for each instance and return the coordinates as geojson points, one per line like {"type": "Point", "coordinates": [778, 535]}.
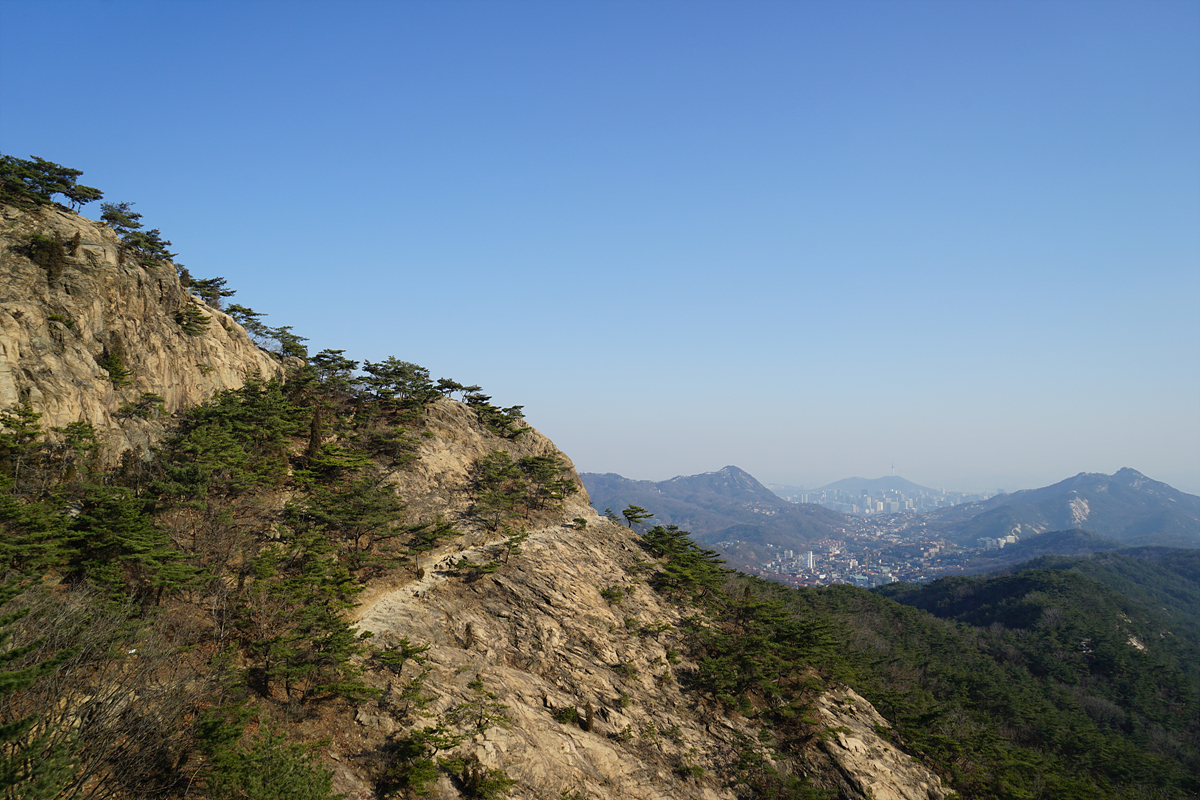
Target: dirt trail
{"type": "Point", "coordinates": [381, 612]}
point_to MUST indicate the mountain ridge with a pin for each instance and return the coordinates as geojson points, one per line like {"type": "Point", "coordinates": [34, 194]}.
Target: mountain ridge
{"type": "Point", "coordinates": [1127, 507]}
{"type": "Point", "coordinates": [726, 504]}
{"type": "Point", "coordinates": [95, 336]}
{"type": "Point", "coordinates": [517, 639]}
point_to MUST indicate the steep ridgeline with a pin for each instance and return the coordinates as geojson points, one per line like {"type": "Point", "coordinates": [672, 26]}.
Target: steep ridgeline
{"type": "Point", "coordinates": [728, 505]}
{"type": "Point", "coordinates": [355, 584]}
{"type": "Point", "coordinates": [88, 334]}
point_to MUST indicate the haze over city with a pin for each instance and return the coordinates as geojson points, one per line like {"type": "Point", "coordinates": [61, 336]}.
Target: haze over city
{"type": "Point", "coordinates": [814, 240]}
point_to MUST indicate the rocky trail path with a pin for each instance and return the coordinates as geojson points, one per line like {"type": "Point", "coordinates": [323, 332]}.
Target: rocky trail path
{"type": "Point", "coordinates": [383, 611]}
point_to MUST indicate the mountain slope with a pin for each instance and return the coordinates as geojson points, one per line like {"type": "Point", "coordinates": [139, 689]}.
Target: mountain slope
{"type": "Point", "coordinates": [1069, 681]}
{"type": "Point", "coordinates": [1052, 543]}
{"type": "Point", "coordinates": [415, 584]}
{"type": "Point", "coordinates": [728, 504]}
{"type": "Point", "coordinates": [1122, 629]}
{"type": "Point", "coordinates": [1126, 507]}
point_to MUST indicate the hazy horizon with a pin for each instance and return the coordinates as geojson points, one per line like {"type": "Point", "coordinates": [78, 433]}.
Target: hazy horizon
{"type": "Point", "coordinates": [812, 240]}
{"type": "Point", "coordinates": [1180, 482]}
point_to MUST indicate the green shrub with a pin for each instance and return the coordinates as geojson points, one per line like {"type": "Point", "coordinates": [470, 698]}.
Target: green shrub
{"type": "Point", "coordinates": [613, 595]}
{"type": "Point", "coordinates": [112, 361]}
{"type": "Point", "coordinates": [567, 716]}
{"type": "Point", "coordinates": [145, 407]}
{"type": "Point", "coordinates": [482, 783]}
{"type": "Point", "coordinates": [48, 253]}
{"type": "Point", "coordinates": [270, 768]}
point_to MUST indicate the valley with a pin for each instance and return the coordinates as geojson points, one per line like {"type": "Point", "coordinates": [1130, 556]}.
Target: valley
{"type": "Point", "coordinates": [912, 533]}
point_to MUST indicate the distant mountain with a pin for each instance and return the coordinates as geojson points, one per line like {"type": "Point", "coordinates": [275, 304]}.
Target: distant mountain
{"type": "Point", "coordinates": [875, 485]}
{"type": "Point", "coordinates": [726, 505]}
{"type": "Point", "coordinates": [1126, 507]}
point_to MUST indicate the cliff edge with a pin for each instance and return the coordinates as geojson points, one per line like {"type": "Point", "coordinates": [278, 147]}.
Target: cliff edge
{"type": "Point", "coordinates": [87, 335]}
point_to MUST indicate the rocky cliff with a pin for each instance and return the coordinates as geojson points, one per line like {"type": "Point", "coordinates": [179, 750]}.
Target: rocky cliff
{"type": "Point", "coordinates": [547, 636]}
{"type": "Point", "coordinates": [86, 333]}
{"type": "Point", "coordinates": [578, 665]}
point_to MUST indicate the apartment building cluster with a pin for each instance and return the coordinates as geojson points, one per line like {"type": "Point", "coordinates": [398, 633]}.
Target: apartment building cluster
{"type": "Point", "coordinates": [888, 501]}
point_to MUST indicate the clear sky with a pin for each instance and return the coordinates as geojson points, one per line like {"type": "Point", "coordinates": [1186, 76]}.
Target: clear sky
{"type": "Point", "coordinates": [810, 239]}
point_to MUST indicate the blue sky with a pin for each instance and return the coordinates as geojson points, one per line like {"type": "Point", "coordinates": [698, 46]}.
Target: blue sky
{"type": "Point", "coordinates": [811, 239]}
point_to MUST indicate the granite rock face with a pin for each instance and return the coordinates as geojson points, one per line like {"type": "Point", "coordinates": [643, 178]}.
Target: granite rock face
{"type": "Point", "coordinates": [61, 322]}
{"type": "Point", "coordinates": [543, 639]}
{"type": "Point", "coordinates": [869, 764]}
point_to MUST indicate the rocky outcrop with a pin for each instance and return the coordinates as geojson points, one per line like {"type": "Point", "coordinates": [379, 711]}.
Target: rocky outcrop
{"type": "Point", "coordinates": [869, 765]}
{"type": "Point", "coordinates": [542, 639]}
{"type": "Point", "coordinates": [85, 306]}
{"type": "Point", "coordinates": [547, 636]}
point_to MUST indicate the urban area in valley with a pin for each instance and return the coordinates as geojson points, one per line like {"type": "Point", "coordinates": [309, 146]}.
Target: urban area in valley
{"type": "Point", "coordinates": [885, 540]}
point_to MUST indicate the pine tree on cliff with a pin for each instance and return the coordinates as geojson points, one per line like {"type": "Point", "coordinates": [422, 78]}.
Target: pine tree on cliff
{"type": "Point", "coordinates": [35, 182]}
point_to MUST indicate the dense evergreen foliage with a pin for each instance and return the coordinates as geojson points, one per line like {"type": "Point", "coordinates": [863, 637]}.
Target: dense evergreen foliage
{"type": "Point", "coordinates": [754, 656]}
{"type": "Point", "coordinates": [35, 181]}
{"type": "Point", "coordinates": [1043, 683]}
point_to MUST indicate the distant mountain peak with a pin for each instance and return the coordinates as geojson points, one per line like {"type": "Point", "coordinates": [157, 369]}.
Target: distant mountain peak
{"type": "Point", "coordinates": [1127, 507]}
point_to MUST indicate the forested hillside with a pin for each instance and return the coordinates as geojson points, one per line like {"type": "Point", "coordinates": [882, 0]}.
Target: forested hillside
{"type": "Point", "coordinates": [1089, 664]}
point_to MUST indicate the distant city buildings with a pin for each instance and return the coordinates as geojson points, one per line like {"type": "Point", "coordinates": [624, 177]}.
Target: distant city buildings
{"type": "Point", "coordinates": [988, 543]}
{"type": "Point", "coordinates": [888, 501]}
{"type": "Point", "coordinates": [878, 550]}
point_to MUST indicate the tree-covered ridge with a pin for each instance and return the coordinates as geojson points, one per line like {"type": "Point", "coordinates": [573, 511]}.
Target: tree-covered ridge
{"type": "Point", "coordinates": [753, 657]}
{"type": "Point", "coordinates": [36, 181]}
{"type": "Point", "coordinates": [1047, 683]}
{"type": "Point", "coordinates": [1057, 679]}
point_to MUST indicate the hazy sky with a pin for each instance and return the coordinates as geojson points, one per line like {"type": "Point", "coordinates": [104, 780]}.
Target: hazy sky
{"type": "Point", "coordinates": [811, 239]}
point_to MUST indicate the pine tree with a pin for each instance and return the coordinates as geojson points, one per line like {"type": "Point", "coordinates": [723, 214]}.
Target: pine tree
{"type": "Point", "coordinates": [211, 290]}
{"type": "Point", "coordinates": [20, 450]}
{"type": "Point", "coordinates": [115, 545]}
{"type": "Point", "coordinates": [35, 181]}
{"type": "Point", "coordinates": [31, 767]}
{"type": "Point", "coordinates": [31, 534]}
{"type": "Point", "coordinates": [501, 486]}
